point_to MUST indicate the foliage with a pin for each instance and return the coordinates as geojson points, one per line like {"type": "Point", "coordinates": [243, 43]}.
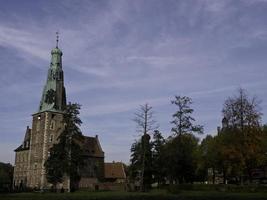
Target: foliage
{"type": "Point", "coordinates": [182, 118]}
{"type": "Point", "coordinates": [56, 163]}
{"type": "Point", "coordinates": [207, 158]}
{"type": "Point", "coordinates": [66, 156]}
{"type": "Point", "coordinates": [6, 176]}
{"type": "Point", "coordinates": [158, 157]}
{"type": "Point", "coordinates": [242, 136]}
{"type": "Point", "coordinates": [242, 112]}
{"type": "Point", "coordinates": [146, 158]}
{"type": "Point", "coordinates": [135, 166]}
{"type": "Point", "coordinates": [233, 155]}
{"type": "Point", "coordinates": [180, 158]}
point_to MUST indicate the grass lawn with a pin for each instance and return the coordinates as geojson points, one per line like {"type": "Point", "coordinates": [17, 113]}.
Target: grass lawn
{"type": "Point", "coordinates": [157, 195]}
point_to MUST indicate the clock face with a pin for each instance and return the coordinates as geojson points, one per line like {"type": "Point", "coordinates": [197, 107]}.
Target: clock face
{"type": "Point", "coordinates": [50, 96]}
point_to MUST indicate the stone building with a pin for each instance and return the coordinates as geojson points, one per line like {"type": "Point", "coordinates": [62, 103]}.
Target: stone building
{"type": "Point", "coordinates": [47, 125]}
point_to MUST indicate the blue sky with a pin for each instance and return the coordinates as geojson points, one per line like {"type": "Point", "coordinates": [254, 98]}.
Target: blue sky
{"type": "Point", "coordinates": [118, 55]}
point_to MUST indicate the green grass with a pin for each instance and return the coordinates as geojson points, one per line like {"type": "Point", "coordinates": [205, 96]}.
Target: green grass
{"type": "Point", "coordinates": [156, 194]}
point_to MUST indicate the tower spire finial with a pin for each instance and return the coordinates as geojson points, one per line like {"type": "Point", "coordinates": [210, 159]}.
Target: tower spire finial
{"type": "Point", "coordinates": [57, 33]}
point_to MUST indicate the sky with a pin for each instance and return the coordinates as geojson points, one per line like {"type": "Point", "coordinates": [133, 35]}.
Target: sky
{"type": "Point", "coordinates": [120, 54]}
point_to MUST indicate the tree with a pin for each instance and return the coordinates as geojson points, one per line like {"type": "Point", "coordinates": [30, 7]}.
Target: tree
{"type": "Point", "coordinates": [182, 118]}
{"type": "Point", "coordinates": [136, 163]}
{"type": "Point", "coordinates": [6, 176]}
{"type": "Point", "coordinates": [181, 149]}
{"type": "Point", "coordinates": [56, 163]}
{"type": "Point", "coordinates": [207, 159]}
{"type": "Point", "coordinates": [180, 158]}
{"type": "Point", "coordinates": [242, 112]}
{"type": "Point", "coordinates": [145, 124]}
{"type": "Point", "coordinates": [144, 119]}
{"type": "Point", "coordinates": [66, 156]}
{"type": "Point", "coordinates": [158, 157]}
{"type": "Point", "coordinates": [244, 145]}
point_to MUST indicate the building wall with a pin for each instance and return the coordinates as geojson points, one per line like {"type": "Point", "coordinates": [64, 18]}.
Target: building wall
{"type": "Point", "coordinates": [46, 127]}
{"type": "Point", "coordinates": [21, 168]}
{"type": "Point", "coordinates": [29, 164]}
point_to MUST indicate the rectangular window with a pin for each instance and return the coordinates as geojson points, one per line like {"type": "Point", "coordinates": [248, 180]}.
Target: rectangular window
{"type": "Point", "coordinates": [51, 138]}
{"type": "Point", "coordinates": [52, 125]}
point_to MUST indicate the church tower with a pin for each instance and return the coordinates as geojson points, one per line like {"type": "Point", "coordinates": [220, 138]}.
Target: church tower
{"type": "Point", "coordinates": [47, 123]}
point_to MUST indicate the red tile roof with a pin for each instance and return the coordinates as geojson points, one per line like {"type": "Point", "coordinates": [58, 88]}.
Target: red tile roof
{"type": "Point", "coordinates": [114, 170]}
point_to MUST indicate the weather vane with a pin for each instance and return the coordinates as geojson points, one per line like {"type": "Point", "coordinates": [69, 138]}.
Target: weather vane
{"type": "Point", "coordinates": [57, 33]}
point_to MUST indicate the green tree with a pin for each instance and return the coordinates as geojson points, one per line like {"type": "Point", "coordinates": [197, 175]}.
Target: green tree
{"type": "Point", "coordinates": [182, 118]}
{"type": "Point", "coordinates": [158, 157]}
{"type": "Point", "coordinates": [66, 156]}
{"type": "Point", "coordinates": [56, 163]}
{"type": "Point", "coordinates": [6, 176]}
{"type": "Point", "coordinates": [180, 158]}
{"type": "Point", "coordinates": [207, 159]}
{"type": "Point", "coordinates": [135, 160]}
{"type": "Point", "coordinates": [181, 149]}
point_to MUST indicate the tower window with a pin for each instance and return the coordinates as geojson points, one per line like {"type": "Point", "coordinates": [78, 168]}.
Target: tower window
{"type": "Point", "coordinates": [51, 138]}
{"type": "Point", "coordinates": [38, 126]}
{"type": "Point", "coordinates": [36, 139]}
{"type": "Point", "coordinates": [52, 125]}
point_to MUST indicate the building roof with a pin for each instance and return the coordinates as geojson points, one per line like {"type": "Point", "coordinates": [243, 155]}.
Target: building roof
{"type": "Point", "coordinates": [54, 94]}
{"type": "Point", "coordinates": [92, 147]}
{"type": "Point", "coordinates": [26, 142]}
{"type": "Point", "coordinates": [115, 170]}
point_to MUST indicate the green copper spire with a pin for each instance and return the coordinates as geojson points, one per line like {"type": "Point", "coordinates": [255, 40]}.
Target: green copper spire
{"type": "Point", "coordinates": [54, 96]}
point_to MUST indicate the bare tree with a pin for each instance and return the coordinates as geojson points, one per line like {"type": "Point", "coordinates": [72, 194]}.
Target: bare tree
{"type": "Point", "coordinates": [144, 119]}
{"type": "Point", "coordinates": [145, 125]}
